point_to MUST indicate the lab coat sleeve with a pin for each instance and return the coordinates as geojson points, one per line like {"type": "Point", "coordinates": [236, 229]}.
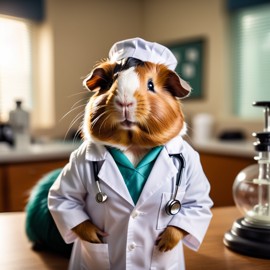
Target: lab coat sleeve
{"type": "Point", "coordinates": [195, 214]}
{"type": "Point", "coordinates": [66, 199]}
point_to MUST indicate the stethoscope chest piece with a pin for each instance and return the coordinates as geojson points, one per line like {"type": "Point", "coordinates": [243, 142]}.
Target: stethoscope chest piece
{"type": "Point", "coordinates": [173, 207]}
{"type": "Point", "coordinates": [101, 197]}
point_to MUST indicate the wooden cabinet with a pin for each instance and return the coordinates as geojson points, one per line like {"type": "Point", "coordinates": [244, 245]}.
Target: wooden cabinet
{"type": "Point", "coordinates": [18, 179]}
{"type": "Point", "coordinates": [221, 171]}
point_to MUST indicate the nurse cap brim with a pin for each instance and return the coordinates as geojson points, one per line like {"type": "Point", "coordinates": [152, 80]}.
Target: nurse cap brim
{"type": "Point", "coordinates": [146, 51]}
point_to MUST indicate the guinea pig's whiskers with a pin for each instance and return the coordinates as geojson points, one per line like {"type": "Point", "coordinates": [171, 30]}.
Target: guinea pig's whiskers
{"type": "Point", "coordinates": [78, 133]}
{"type": "Point", "coordinates": [80, 115]}
{"type": "Point", "coordinates": [72, 110]}
{"type": "Point", "coordinates": [73, 122]}
{"type": "Point", "coordinates": [84, 100]}
{"type": "Point", "coordinates": [97, 119]}
{"type": "Point", "coordinates": [93, 123]}
{"type": "Point", "coordinates": [77, 117]}
{"type": "Point", "coordinates": [103, 122]}
{"type": "Point", "coordinates": [77, 94]}
{"type": "Point", "coordinates": [100, 107]}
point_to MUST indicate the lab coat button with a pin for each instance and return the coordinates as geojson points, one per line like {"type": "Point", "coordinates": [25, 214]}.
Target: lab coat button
{"type": "Point", "coordinates": [132, 246]}
{"type": "Point", "coordinates": [134, 214]}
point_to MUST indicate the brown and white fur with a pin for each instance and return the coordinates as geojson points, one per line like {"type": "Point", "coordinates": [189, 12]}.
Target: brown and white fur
{"type": "Point", "coordinates": [135, 108]}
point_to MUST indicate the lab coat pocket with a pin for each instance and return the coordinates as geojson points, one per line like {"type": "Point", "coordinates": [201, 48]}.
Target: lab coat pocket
{"type": "Point", "coordinates": [163, 218]}
{"type": "Point", "coordinates": [95, 256]}
{"type": "Point", "coordinates": [164, 260]}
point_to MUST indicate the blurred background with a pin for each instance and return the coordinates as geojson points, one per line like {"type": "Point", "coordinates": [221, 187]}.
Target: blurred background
{"type": "Point", "coordinates": [47, 47]}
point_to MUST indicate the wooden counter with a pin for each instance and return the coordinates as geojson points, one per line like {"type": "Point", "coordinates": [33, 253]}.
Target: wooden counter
{"type": "Point", "coordinates": [221, 162]}
{"type": "Point", "coordinates": [21, 169]}
{"type": "Point", "coordinates": [221, 171]}
{"type": "Point", "coordinates": [15, 249]}
{"type": "Point", "coordinates": [214, 255]}
{"type": "Point", "coordinates": [16, 252]}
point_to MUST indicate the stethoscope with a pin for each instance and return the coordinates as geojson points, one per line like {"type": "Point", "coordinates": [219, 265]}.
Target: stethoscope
{"type": "Point", "coordinates": [172, 207]}
{"type": "Point", "coordinates": [101, 197]}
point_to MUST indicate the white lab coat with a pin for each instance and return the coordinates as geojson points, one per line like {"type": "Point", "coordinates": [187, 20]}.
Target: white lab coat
{"type": "Point", "coordinates": [133, 229]}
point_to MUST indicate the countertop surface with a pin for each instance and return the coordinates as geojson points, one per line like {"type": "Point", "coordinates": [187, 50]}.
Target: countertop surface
{"type": "Point", "coordinates": [231, 148]}
{"type": "Point", "coordinates": [37, 152]}
{"type": "Point", "coordinates": [61, 149]}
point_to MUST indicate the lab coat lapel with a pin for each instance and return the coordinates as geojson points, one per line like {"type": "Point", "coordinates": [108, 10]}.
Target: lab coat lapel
{"type": "Point", "coordinates": [163, 170]}
{"type": "Point", "coordinates": [111, 176]}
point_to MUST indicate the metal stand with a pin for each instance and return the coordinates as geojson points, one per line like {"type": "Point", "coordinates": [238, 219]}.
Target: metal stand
{"type": "Point", "coordinates": [249, 240]}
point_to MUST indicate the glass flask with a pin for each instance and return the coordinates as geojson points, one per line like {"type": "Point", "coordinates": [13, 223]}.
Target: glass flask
{"type": "Point", "coordinates": [251, 191]}
{"type": "Point", "coordinates": [250, 235]}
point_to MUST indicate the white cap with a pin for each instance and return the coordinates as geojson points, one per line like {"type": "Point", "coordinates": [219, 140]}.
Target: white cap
{"type": "Point", "coordinates": [144, 51]}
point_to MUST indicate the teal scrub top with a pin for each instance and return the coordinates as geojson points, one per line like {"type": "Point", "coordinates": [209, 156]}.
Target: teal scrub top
{"type": "Point", "coordinates": [135, 178]}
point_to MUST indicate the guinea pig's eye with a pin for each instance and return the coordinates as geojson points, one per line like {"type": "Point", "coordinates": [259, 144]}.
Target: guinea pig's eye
{"type": "Point", "coordinates": [150, 85]}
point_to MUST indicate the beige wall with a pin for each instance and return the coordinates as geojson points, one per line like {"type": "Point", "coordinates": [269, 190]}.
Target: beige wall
{"type": "Point", "coordinates": [84, 30]}
{"type": "Point", "coordinates": [176, 20]}
{"type": "Point", "coordinates": [183, 20]}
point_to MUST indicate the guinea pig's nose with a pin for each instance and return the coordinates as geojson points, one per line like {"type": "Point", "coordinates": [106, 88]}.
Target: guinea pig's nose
{"type": "Point", "coordinates": [125, 104]}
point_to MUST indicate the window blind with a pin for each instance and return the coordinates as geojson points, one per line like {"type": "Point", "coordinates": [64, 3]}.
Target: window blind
{"type": "Point", "coordinates": [250, 59]}
{"type": "Point", "coordinates": [15, 65]}
{"type": "Point", "coordinates": [27, 9]}
{"type": "Point", "coordinates": [233, 5]}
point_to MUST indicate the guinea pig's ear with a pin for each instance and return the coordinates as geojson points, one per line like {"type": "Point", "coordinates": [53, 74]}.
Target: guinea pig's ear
{"type": "Point", "coordinates": [177, 86]}
{"type": "Point", "coordinates": [100, 78]}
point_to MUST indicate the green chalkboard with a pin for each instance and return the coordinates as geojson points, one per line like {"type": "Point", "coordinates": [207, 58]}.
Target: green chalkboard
{"type": "Point", "coordinates": [190, 56]}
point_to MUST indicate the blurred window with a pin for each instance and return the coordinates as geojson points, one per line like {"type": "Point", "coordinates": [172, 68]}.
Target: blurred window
{"type": "Point", "coordinates": [250, 30]}
{"type": "Point", "coordinates": [16, 76]}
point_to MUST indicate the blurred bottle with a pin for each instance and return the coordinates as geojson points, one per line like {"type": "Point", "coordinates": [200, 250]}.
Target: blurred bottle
{"type": "Point", "coordinates": [202, 127]}
{"type": "Point", "coordinates": [19, 120]}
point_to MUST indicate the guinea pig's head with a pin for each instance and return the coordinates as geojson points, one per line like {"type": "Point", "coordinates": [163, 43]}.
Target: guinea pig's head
{"type": "Point", "coordinates": [135, 103]}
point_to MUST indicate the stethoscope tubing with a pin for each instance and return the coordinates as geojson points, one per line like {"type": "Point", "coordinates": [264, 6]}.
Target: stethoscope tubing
{"type": "Point", "coordinates": [172, 207]}
{"type": "Point", "coordinates": [182, 162]}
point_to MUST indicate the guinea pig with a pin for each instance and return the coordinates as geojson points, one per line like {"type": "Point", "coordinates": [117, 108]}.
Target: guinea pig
{"type": "Point", "coordinates": [132, 130]}
{"type": "Point", "coordinates": [135, 106]}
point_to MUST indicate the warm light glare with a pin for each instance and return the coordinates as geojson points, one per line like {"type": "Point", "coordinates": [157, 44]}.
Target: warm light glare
{"type": "Point", "coordinates": [12, 34]}
{"type": "Point", "coordinates": [45, 115]}
{"type": "Point", "coordinates": [15, 64]}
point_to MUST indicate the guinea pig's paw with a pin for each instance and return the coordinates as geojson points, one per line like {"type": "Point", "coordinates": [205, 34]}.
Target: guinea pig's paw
{"type": "Point", "coordinates": [169, 238]}
{"type": "Point", "coordinates": [87, 231]}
